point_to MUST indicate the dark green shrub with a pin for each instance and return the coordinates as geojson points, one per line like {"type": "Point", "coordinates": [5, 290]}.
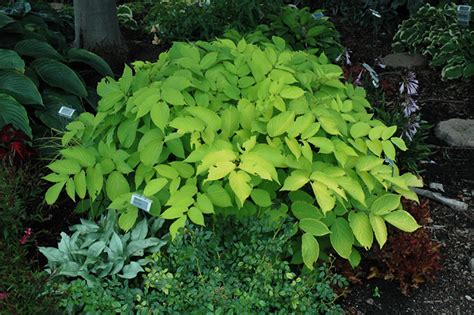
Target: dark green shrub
{"type": "Point", "coordinates": [299, 29]}
{"type": "Point", "coordinates": [435, 33]}
{"type": "Point", "coordinates": [35, 69]}
{"type": "Point", "coordinates": [238, 129]}
{"type": "Point", "coordinates": [184, 20]}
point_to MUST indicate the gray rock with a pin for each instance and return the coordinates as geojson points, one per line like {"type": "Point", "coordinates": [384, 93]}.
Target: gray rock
{"type": "Point", "coordinates": [456, 132]}
{"type": "Point", "coordinates": [471, 264]}
{"type": "Point", "coordinates": [404, 60]}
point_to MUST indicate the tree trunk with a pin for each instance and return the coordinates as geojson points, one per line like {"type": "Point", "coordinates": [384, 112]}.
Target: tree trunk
{"type": "Point", "coordinates": [97, 28]}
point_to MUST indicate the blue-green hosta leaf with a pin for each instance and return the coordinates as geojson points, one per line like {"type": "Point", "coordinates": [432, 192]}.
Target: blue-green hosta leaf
{"type": "Point", "coordinates": [10, 60]}
{"type": "Point", "coordinates": [11, 112]}
{"type": "Point", "coordinates": [59, 75]}
{"type": "Point", "coordinates": [37, 49]}
{"type": "Point", "coordinates": [91, 59]}
{"type": "Point", "coordinates": [5, 20]}
{"type": "Point", "coordinates": [20, 87]}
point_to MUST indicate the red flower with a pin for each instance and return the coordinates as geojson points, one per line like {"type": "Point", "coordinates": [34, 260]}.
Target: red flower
{"type": "Point", "coordinates": [26, 236]}
{"type": "Point", "coordinates": [3, 295]}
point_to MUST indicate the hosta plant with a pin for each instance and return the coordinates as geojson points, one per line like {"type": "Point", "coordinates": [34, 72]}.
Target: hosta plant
{"type": "Point", "coordinates": [435, 33]}
{"type": "Point", "coordinates": [36, 71]}
{"type": "Point", "coordinates": [238, 129]}
{"type": "Point", "coordinates": [100, 250]}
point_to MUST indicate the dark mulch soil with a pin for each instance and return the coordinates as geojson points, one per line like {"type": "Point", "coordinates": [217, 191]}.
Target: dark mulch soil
{"type": "Point", "coordinates": [453, 290]}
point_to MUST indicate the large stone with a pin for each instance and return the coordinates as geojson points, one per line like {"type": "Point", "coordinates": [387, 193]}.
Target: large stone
{"type": "Point", "coordinates": [403, 60]}
{"type": "Point", "coordinates": [456, 132]}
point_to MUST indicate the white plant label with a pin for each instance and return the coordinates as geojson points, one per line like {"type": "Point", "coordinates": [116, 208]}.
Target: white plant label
{"type": "Point", "coordinates": [66, 112]}
{"type": "Point", "coordinates": [141, 202]}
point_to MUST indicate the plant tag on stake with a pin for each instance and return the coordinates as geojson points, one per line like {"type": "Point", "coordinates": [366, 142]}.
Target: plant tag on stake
{"type": "Point", "coordinates": [141, 202]}
{"type": "Point", "coordinates": [66, 112]}
{"type": "Point", "coordinates": [464, 14]}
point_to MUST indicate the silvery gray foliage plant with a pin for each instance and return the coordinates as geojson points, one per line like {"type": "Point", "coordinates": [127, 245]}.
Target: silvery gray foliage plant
{"type": "Point", "coordinates": [98, 250]}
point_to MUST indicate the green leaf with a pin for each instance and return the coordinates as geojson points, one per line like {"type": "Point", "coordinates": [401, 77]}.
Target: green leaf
{"type": "Point", "coordinates": [325, 145]}
{"type": "Point", "coordinates": [295, 181]}
{"type": "Point", "coordinates": [379, 227]}
{"type": "Point", "coordinates": [80, 184]}
{"type": "Point", "coordinates": [20, 87]}
{"type": "Point", "coordinates": [59, 75]}
{"type": "Point", "coordinates": [37, 49]}
{"type": "Point", "coordinates": [388, 149]}
{"type": "Point", "coordinates": [65, 167]}
{"type": "Point", "coordinates": [116, 185]}
{"type": "Point", "coordinates": [172, 96]}
{"type": "Point", "coordinates": [341, 237]}
{"type": "Point", "coordinates": [292, 92]}
{"type": "Point", "coordinates": [10, 60]}
{"type": "Point", "coordinates": [127, 132]}
{"type": "Point", "coordinates": [452, 72]}
{"type": "Point", "coordinates": [402, 220]}
{"type": "Point", "coordinates": [314, 227]}
{"type": "Point", "coordinates": [303, 210]}
{"type": "Point", "coordinates": [360, 225]}
{"type": "Point", "coordinates": [196, 216]}
{"type": "Point", "coordinates": [399, 143]}
{"type": "Point", "coordinates": [360, 129]}
{"type": "Point", "coordinates": [280, 123]}
{"type": "Point", "coordinates": [5, 20]}
{"type": "Point", "coordinates": [220, 170]}
{"type": "Point", "coordinates": [385, 204]}
{"type": "Point", "coordinates": [53, 192]}
{"type": "Point", "coordinates": [204, 204]}
{"type": "Point", "coordinates": [323, 196]}
{"type": "Point", "coordinates": [354, 258]}
{"type": "Point", "coordinates": [176, 225]}
{"type": "Point", "coordinates": [309, 250]}
{"type": "Point", "coordinates": [11, 112]}
{"type": "Point", "coordinates": [388, 132]}
{"type": "Point", "coordinates": [154, 186]}
{"type": "Point", "coordinates": [239, 183]}
{"type": "Point", "coordinates": [150, 147]}
{"type": "Point", "coordinates": [160, 114]}
{"type": "Point", "coordinates": [128, 218]}
{"type": "Point", "coordinates": [261, 198]}
{"type": "Point", "coordinates": [84, 156]}
{"type": "Point", "coordinates": [219, 196]}
{"type": "Point", "coordinates": [91, 59]}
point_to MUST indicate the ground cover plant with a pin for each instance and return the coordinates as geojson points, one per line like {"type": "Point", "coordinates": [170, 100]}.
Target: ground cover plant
{"type": "Point", "coordinates": [238, 266]}
{"type": "Point", "coordinates": [435, 33]}
{"type": "Point", "coordinates": [225, 128]}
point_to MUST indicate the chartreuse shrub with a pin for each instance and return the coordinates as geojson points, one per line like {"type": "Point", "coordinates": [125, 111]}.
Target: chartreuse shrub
{"type": "Point", "coordinates": [435, 33]}
{"type": "Point", "coordinates": [238, 129]}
